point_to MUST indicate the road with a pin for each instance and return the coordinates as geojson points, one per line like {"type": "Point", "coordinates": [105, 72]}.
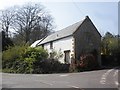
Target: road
{"type": "Point", "coordinates": [93, 79]}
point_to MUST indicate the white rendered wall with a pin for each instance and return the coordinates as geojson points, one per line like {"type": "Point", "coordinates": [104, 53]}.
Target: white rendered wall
{"type": "Point", "coordinates": [61, 45]}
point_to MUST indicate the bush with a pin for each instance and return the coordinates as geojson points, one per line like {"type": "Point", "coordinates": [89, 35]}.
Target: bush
{"type": "Point", "coordinates": [87, 62]}
{"type": "Point", "coordinates": [11, 56]}
{"type": "Point", "coordinates": [23, 59]}
{"type": "Point", "coordinates": [33, 57]}
{"type": "Point", "coordinates": [20, 59]}
{"type": "Point", "coordinates": [50, 66]}
{"type": "Point", "coordinates": [37, 53]}
{"type": "Point", "coordinates": [56, 54]}
{"type": "Point", "coordinates": [110, 60]}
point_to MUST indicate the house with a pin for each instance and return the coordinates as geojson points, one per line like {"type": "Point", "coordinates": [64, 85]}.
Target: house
{"type": "Point", "coordinates": [72, 41]}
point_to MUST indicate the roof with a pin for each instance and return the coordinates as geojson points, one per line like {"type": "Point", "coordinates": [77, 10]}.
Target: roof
{"type": "Point", "coordinates": [62, 33]}
{"type": "Point", "coordinates": [36, 43]}
{"type": "Point", "coordinates": [68, 31]}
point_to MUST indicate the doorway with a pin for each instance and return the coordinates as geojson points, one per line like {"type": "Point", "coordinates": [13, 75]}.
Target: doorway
{"type": "Point", "coordinates": [67, 56]}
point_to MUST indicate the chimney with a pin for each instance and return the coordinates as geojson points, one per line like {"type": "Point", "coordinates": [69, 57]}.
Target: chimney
{"type": "Point", "coordinates": [87, 17]}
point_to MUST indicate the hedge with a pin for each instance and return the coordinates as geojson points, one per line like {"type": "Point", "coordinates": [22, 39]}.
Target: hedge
{"type": "Point", "coordinates": [23, 59]}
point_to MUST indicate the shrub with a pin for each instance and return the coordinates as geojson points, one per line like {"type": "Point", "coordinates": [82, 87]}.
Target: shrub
{"type": "Point", "coordinates": [50, 66]}
{"type": "Point", "coordinates": [87, 62]}
{"type": "Point", "coordinates": [36, 53]}
{"type": "Point", "coordinates": [33, 57]}
{"type": "Point", "coordinates": [56, 54]}
{"type": "Point", "coordinates": [12, 55]}
{"type": "Point", "coordinates": [23, 59]}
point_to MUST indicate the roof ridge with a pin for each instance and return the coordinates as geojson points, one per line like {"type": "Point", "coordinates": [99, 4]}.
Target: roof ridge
{"type": "Point", "coordinates": [65, 32]}
{"type": "Point", "coordinates": [67, 26]}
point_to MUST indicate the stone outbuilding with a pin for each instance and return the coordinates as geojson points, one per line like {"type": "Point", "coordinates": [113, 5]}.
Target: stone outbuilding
{"type": "Point", "coordinates": [73, 41]}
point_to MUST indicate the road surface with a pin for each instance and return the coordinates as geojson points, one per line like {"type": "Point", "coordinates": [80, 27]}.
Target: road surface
{"type": "Point", "coordinates": [93, 79]}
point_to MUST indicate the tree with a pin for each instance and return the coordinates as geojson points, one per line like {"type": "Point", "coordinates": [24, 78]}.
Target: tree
{"type": "Point", "coordinates": [6, 41]}
{"type": "Point", "coordinates": [32, 22]}
{"type": "Point", "coordinates": [111, 49]}
{"type": "Point", "coordinates": [110, 44]}
{"type": "Point", "coordinates": [106, 42]}
{"type": "Point", "coordinates": [6, 19]}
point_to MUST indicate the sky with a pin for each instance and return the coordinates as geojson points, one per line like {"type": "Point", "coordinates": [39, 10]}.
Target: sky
{"type": "Point", "coordinates": [104, 15]}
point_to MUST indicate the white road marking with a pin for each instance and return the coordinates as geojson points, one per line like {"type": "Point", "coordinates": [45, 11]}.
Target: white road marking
{"type": "Point", "coordinates": [102, 81]}
{"type": "Point", "coordinates": [74, 87]}
{"type": "Point", "coordinates": [117, 83]}
{"type": "Point", "coordinates": [44, 82]}
{"type": "Point", "coordinates": [104, 76]}
{"type": "Point", "coordinates": [110, 70]}
{"type": "Point", "coordinates": [47, 83]}
{"type": "Point", "coordinates": [60, 82]}
{"type": "Point", "coordinates": [116, 73]}
{"type": "Point", "coordinates": [64, 75]}
{"type": "Point", "coordinates": [39, 75]}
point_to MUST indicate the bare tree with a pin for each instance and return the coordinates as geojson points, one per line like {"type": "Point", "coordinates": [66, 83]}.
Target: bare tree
{"type": "Point", "coordinates": [32, 22]}
{"type": "Point", "coordinates": [43, 28]}
{"type": "Point", "coordinates": [6, 19]}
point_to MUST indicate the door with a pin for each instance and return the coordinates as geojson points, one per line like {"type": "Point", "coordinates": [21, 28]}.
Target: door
{"type": "Point", "coordinates": [67, 56]}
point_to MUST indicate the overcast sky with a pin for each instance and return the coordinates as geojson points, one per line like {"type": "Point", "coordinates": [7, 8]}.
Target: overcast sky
{"type": "Point", "coordinates": [103, 14]}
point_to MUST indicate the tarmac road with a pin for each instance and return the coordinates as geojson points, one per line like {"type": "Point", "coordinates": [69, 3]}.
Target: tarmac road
{"type": "Point", "coordinates": [93, 79]}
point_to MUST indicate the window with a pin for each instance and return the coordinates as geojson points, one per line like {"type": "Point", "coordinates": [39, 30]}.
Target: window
{"type": "Point", "coordinates": [51, 45]}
